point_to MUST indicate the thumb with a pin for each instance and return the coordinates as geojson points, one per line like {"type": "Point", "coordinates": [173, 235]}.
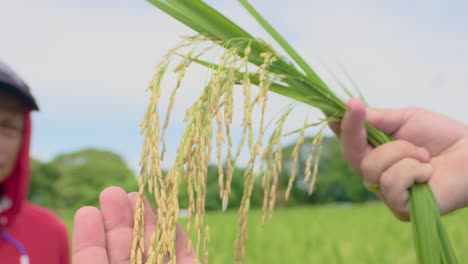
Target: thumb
{"type": "Point", "coordinates": [353, 133]}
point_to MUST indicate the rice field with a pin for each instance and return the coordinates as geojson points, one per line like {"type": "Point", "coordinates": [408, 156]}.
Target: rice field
{"type": "Point", "coordinates": [325, 234]}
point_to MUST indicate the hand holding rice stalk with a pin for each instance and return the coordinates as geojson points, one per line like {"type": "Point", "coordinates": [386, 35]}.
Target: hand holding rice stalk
{"type": "Point", "coordinates": [245, 62]}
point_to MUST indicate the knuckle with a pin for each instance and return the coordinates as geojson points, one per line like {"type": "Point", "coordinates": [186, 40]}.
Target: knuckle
{"type": "Point", "coordinates": [404, 146]}
{"type": "Point", "coordinates": [408, 166]}
{"type": "Point", "coordinates": [405, 149]}
{"type": "Point", "coordinates": [366, 165]}
{"type": "Point", "coordinates": [387, 181]}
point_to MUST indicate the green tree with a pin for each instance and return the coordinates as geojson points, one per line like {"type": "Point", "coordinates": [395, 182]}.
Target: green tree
{"type": "Point", "coordinates": [336, 181]}
{"type": "Point", "coordinates": [43, 189]}
{"type": "Point", "coordinates": [213, 200]}
{"type": "Point", "coordinates": [85, 173]}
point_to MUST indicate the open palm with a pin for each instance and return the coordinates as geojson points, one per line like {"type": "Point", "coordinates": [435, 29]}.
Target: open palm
{"type": "Point", "coordinates": [105, 236]}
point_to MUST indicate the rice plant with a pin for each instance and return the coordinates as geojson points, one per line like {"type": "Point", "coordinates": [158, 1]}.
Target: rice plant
{"type": "Point", "coordinates": [255, 67]}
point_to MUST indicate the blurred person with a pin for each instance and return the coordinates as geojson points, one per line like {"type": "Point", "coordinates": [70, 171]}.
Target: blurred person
{"type": "Point", "coordinates": [29, 233]}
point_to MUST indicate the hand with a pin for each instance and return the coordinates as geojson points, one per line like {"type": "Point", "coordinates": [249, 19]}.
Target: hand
{"type": "Point", "coordinates": [428, 147]}
{"type": "Point", "coordinates": [105, 236]}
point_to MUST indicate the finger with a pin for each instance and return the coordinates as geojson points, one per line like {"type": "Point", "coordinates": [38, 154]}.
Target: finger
{"type": "Point", "coordinates": [396, 181]}
{"type": "Point", "coordinates": [389, 121]}
{"type": "Point", "coordinates": [383, 157]}
{"type": "Point", "coordinates": [149, 218]}
{"type": "Point", "coordinates": [118, 222]}
{"type": "Point", "coordinates": [184, 252]}
{"type": "Point", "coordinates": [89, 238]}
{"type": "Point", "coordinates": [353, 133]}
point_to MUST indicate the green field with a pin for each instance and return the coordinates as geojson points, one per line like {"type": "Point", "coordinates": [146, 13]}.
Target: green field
{"type": "Point", "coordinates": [326, 234]}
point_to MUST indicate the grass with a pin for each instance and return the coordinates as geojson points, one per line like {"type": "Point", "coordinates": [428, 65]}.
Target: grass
{"type": "Point", "coordinates": [324, 234]}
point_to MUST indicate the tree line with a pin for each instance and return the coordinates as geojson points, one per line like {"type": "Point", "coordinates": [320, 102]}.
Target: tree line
{"type": "Point", "coordinates": [72, 180]}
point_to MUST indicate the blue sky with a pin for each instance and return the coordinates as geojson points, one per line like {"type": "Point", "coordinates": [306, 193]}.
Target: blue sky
{"type": "Point", "coordinates": [88, 62]}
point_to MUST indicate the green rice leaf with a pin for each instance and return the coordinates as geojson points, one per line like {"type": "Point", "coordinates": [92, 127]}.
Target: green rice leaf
{"type": "Point", "coordinates": [281, 41]}
{"type": "Point", "coordinates": [356, 87]}
{"type": "Point", "coordinates": [304, 85]}
{"type": "Point", "coordinates": [424, 225]}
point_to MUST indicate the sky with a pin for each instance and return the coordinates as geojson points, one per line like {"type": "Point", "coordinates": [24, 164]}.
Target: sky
{"type": "Point", "coordinates": [89, 62]}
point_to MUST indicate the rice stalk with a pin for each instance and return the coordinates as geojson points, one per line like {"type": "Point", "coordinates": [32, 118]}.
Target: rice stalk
{"type": "Point", "coordinates": [249, 62]}
{"type": "Point", "coordinates": [295, 157]}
